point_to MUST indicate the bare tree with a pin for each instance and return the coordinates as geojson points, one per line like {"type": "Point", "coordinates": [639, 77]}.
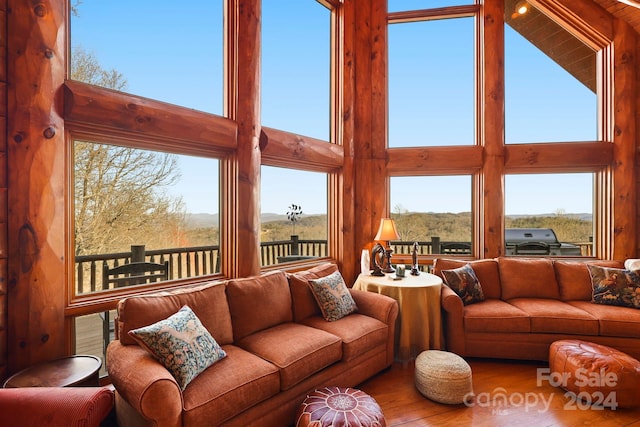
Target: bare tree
{"type": "Point", "coordinates": [120, 192]}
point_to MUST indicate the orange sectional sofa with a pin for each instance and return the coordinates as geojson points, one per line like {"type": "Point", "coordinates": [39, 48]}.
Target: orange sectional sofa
{"type": "Point", "coordinates": [278, 348]}
{"type": "Point", "coordinates": [530, 303]}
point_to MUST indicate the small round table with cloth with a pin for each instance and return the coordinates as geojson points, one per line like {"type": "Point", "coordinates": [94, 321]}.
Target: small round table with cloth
{"type": "Point", "coordinates": [443, 376]}
{"type": "Point", "coordinates": [599, 374]}
{"type": "Point", "coordinates": [339, 407]}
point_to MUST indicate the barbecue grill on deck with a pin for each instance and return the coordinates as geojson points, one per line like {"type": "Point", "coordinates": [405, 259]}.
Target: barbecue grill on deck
{"type": "Point", "coordinates": [536, 241]}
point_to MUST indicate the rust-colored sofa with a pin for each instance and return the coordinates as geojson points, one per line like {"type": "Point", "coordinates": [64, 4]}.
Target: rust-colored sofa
{"type": "Point", "coordinates": [278, 346]}
{"type": "Point", "coordinates": [530, 303]}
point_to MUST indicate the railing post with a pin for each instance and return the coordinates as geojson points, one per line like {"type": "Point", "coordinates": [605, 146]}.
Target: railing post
{"type": "Point", "coordinates": [435, 245]}
{"type": "Point", "coordinates": [295, 250]}
{"type": "Point", "coordinates": [137, 253]}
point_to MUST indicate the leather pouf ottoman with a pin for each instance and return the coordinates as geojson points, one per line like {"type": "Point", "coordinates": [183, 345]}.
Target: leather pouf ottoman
{"type": "Point", "coordinates": [339, 407]}
{"type": "Point", "coordinates": [443, 376]}
{"type": "Point", "coordinates": [595, 373]}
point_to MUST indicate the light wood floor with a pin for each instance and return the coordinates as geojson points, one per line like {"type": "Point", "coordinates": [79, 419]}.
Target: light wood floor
{"type": "Point", "coordinates": [404, 406]}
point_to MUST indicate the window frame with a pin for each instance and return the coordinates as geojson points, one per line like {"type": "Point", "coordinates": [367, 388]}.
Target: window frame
{"type": "Point", "coordinates": [490, 158]}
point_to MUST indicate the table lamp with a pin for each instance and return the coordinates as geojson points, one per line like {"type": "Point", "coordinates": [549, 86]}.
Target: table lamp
{"type": "Point", "coordinates": [387, 232]}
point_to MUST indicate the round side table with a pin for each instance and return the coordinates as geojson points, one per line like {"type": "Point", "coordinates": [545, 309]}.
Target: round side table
{"type": "Point", "coordinates": [76, 371]}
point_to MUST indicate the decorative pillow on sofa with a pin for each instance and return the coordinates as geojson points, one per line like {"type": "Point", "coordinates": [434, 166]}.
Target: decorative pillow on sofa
{"type": "Point", "coordinates": [463, 281]}
{"type": "Point", "coordinates": [181, 344]}
{"type": "Point", "coordinates": [615, 286]}
{"type": "Point", "coordinates": [333, 296]}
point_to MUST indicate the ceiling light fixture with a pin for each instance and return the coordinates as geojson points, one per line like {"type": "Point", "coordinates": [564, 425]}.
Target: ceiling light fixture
{"type": "Point", "coordinates": [520, 9]}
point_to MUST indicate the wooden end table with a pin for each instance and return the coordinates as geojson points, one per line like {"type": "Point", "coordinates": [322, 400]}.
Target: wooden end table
{"type": "Point", "coordinates": [72, 371]}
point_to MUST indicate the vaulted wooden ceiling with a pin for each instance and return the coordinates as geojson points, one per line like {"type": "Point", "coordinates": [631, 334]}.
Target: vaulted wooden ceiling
{"type": "Point", "coordinates": [624, 11]}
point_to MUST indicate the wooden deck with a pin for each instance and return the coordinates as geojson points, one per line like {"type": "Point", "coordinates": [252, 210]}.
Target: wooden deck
{"type": "Point", "coordinates": [89, 337]}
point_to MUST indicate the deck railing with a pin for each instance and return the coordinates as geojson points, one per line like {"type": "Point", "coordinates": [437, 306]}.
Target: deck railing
{"type": "Point", "coordinates": [189, 261]}
{"type": "Point", "coordinates": [203, 260]}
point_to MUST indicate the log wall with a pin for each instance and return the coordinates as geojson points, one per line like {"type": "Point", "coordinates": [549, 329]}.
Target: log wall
{"type": "Point", "coordinates": [4, 207]}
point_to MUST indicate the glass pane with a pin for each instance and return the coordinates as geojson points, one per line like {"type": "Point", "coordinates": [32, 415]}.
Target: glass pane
{"type": "Point", "coordinates": [403, 5]}
{"type": "Point", "coordinates": [157, 50]}
{"type": "Point", "coordinates": [296, 63]}
{"type": "Point", "coordinates": [438, 216]}
{"type": "Point", "coordinates": [550, 81]}
{"type": "Point", "coordinates": [135, 206]}
{"type": "Point", "coordinates": [431, 83]}
{"type": "Point", "coordinates": [553, 209]}
{"type": "Point", "coordinates": [294, 215]}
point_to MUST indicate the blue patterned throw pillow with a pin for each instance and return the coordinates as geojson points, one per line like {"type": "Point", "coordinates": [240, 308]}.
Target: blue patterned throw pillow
{"type": "Point", "coordinates": [181, 343]}
{"type": "Point", "coordinates": [333, 296]}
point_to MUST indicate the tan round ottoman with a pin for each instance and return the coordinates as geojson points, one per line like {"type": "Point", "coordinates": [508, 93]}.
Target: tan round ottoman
{"type": "Point", "coordinates": [443, 376]}
{"type": "Point", "coordinates": [338, 407]}
{"type": "Point", "coordinates": [595, 373]}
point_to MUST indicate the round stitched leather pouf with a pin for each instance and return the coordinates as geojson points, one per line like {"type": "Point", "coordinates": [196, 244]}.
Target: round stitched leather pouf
{"type": "Point", "coordinates": [595, 373]}
{"type": "Point", "coordinates": [443, 376]}
{"type": "Point", "coordinates": [339, 407]}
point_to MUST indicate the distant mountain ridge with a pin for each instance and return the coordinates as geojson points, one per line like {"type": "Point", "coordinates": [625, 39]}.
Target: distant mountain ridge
{"type": "Point", "coordinates": [205, 220]}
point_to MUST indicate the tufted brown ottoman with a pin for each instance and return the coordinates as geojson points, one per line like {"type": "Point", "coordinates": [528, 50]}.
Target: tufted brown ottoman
{"type": "Point", "coordinates": [595, 373]}
{"type": "Point", "coordinates": [338, 407]}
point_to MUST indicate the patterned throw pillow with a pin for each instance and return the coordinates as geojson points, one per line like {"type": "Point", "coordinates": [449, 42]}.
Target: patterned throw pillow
{"type": "Point", "coordinates": [181, 343]}
{"type": "Point", "coordinates": [615, 286]}
{"type": "Point", "coordinates": [333, 296]}
{"type": "Point", "coordinates": [463, 281]}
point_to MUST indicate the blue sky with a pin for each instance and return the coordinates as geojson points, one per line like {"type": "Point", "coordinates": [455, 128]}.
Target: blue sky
{"type": "Point", "coordinates": [173, 54]}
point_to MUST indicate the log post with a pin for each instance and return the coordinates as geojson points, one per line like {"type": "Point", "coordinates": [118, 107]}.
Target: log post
{"type": "Point", "coordinates": [37, 266]}
{"type": "Point", "coordinates": [248, 153]}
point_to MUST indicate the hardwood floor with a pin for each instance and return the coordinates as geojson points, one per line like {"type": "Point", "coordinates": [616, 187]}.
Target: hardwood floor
{"type": "Point", "coordinates": [507, 394]}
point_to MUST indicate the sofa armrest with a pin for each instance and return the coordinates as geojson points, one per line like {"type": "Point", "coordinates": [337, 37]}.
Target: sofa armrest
{"type": "Point", "coordinates": [145, 384]}
{"type": "Point", "coordinates": [451, 302]}
{"type": "Point", "coordinates": [453, 320]}
{"type": "Point", "coordinates": [55, 406]}
{"type": "Point", "coordinates": [378, 306]}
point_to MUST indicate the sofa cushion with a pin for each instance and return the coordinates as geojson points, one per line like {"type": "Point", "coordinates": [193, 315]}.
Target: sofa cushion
{"type": "Point", "coordinates": [613, 321]}
{"type": "Point", "coordinates": [304, 303]}
{"type": "Point", "coordinates": [259, 302]}
{"type": "Point", "coordinates": [234, 384]}
{"type": "Point", "coordinates": [333, 296]}
{"type": "Point", "coordinates": [297, 350]}
{"type": "Point", "coordinates": [181, 344]}
{"type": "Point", "coordinates": [615, 286]}
{"type": "Point", "coordinates": [358, 333]}
{"type": "Point", "coordinates": [486, 271]}
{"type": "Point", "coordinates": [528, 278]}
{"type": "Point", "coordinates": [494, 315]}
{"type": "Point", "coordinates": [208, 302]}
{"type": "Point", "coordinates": [464, 283]}
{"type": "Point", "coordinates": [556, 317]}
{"type": "Point", "coordinates": [574, 280]}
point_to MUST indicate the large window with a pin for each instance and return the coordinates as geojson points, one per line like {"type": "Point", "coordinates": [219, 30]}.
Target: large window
{"type": "Point", "coordinates": [449, 120]}
{"type": "Point", "coordinates": [550, 79]}
{"type": "Point", "coordinates": [294, 215]}
{"type": "Point", "coordinates": [296, 65]}
{"type": "Point", "coordinates": [434, 211]}
{"type": "Point", "coordinates": [549, 214]}
{"type": "Point", "coordinates": [168, 51]}
{"type": "Point", "coordinates": [431, 83]}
